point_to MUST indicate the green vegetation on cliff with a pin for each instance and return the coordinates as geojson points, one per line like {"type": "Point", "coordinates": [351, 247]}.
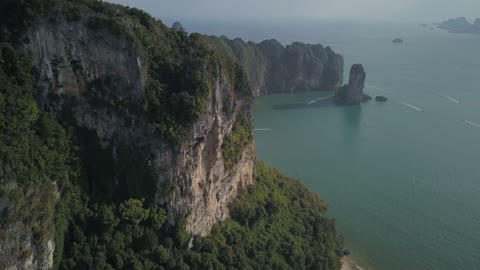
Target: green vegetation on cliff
{"type": "Point", "coordinates": [235, 143]}
{"type": "Point", "coordinates": [37, 159]}
{"type": "Point", "coordinates": [181, 68]}
{"type": "Point", "coordinates": [277, 224]}
{"type": "Point", "coordinates": [58, 182]}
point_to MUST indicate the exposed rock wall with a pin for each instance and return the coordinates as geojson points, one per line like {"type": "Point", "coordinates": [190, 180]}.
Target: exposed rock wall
{"type": "Point", "coordinates": [19, 247]}
{"type": "Point", "coordinates": [204, 186]}
{"type": "Point", "coordinates": [69, 56]}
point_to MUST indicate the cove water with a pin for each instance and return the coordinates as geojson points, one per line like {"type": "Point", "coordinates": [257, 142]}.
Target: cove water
{"type": "Point", "coordinates": [401, 178]}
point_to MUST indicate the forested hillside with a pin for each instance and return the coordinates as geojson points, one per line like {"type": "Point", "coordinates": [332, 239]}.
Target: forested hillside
{"type": "Point", "coordinates": [125, 144]}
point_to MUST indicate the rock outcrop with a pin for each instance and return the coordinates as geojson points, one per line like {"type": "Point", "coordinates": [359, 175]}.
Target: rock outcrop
{"type": "Point", "coordinates": [381, 98]}
{"type": "Point", "coordinates": [274, 68]}
{"type": "Point", "coordinates": [352, 93]}
{"type": "Point", "coordinates": [177, 26]}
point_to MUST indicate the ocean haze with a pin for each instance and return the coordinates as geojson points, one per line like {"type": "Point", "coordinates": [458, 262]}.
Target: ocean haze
{"type": "Point", "coordinates": [401, 178]}
{"type": "Point", "coordinates": [268, 10]}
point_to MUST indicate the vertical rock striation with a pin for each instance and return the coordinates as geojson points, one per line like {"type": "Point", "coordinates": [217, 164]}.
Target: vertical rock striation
{"type": "Point", "coordinates": [70, 56]}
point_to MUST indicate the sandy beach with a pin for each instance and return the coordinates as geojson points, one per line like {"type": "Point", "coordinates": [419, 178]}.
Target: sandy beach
{"type": "Point", "coordinates": [349, 264]}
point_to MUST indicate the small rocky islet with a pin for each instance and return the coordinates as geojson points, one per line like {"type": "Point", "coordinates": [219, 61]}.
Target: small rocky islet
{"type": "Point", "coordinates": [353, 92]}
{"type": "Point", "coordinates": [397, 40]}
{"type": "Point", "coordinates": [381, 98]}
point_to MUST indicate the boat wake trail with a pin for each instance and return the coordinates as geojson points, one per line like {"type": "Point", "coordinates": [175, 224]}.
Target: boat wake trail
{"type": "Point", "coordinates": [471, 123]}
{"type": "Point", "coordinates": [444, 96]}
{"type": "Point", "coordinates": [262, 129]}
{"type": "Point", "coordinates": [399, 101]}
{"type": "Point", "coordinates": [376, 88]}
{"type": "Point", "coordinates": [409, 105]}
{"type": "Point", "coordinates": [452, 99]}
{"type": "Point", "coordinates": [313, 101]}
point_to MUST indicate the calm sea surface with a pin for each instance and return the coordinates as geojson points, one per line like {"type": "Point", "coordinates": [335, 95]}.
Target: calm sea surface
{"type": "Point", "coordinates": [401, 178]}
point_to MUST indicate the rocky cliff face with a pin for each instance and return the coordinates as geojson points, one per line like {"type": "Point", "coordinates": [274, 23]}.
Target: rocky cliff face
{"type": "Point", "coordinates": [97, 80]}
{"type": "Point", "coordinates": [352, 93]}
{"type": "Point", "coordinates": [273, 68]}
{"type": "Point", "coordinates": [69, 57]}
{"type": "Point", "coordinates": [154, 114]}
{"type": "Point", "coordinates": [19, 247]}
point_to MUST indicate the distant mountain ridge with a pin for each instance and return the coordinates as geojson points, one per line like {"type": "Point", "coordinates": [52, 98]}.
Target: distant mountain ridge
{"type": "Point", "coordinates": [461, 25]}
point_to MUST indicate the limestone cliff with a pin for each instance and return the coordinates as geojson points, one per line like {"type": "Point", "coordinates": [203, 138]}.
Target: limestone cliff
{"type": "Point", "coordinates": [69, 57]}
{"type": "Point", "coordinates": [352, 93]}
{"type": "Point", "coordinates": [274, 68]}
{"type": "Point", "coordinates": [105, 81]}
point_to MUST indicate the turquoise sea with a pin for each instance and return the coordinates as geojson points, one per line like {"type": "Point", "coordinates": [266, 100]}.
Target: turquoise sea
{"type": "Point", "coordinates": [403, 184]}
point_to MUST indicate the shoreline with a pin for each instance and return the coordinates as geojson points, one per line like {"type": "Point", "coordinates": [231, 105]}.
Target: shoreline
{"type": "Point", "coordinates": [349, 264]}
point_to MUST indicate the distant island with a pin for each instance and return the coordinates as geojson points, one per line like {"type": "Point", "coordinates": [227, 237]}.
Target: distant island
{"type": "Point", "coordinates": [398, 41]}
{"type": "Point", "coordinates": [130, 145]}
{"type": "Point", "coordinates": [461, 25]}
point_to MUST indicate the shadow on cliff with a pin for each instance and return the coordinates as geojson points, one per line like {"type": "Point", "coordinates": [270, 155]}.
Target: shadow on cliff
{"type": "Point", "coordinates": [301, 106]}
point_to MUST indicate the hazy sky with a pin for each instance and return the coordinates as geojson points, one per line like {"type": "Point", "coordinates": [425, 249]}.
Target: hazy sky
{"type": "Point", "coordinates": [378, 10]}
